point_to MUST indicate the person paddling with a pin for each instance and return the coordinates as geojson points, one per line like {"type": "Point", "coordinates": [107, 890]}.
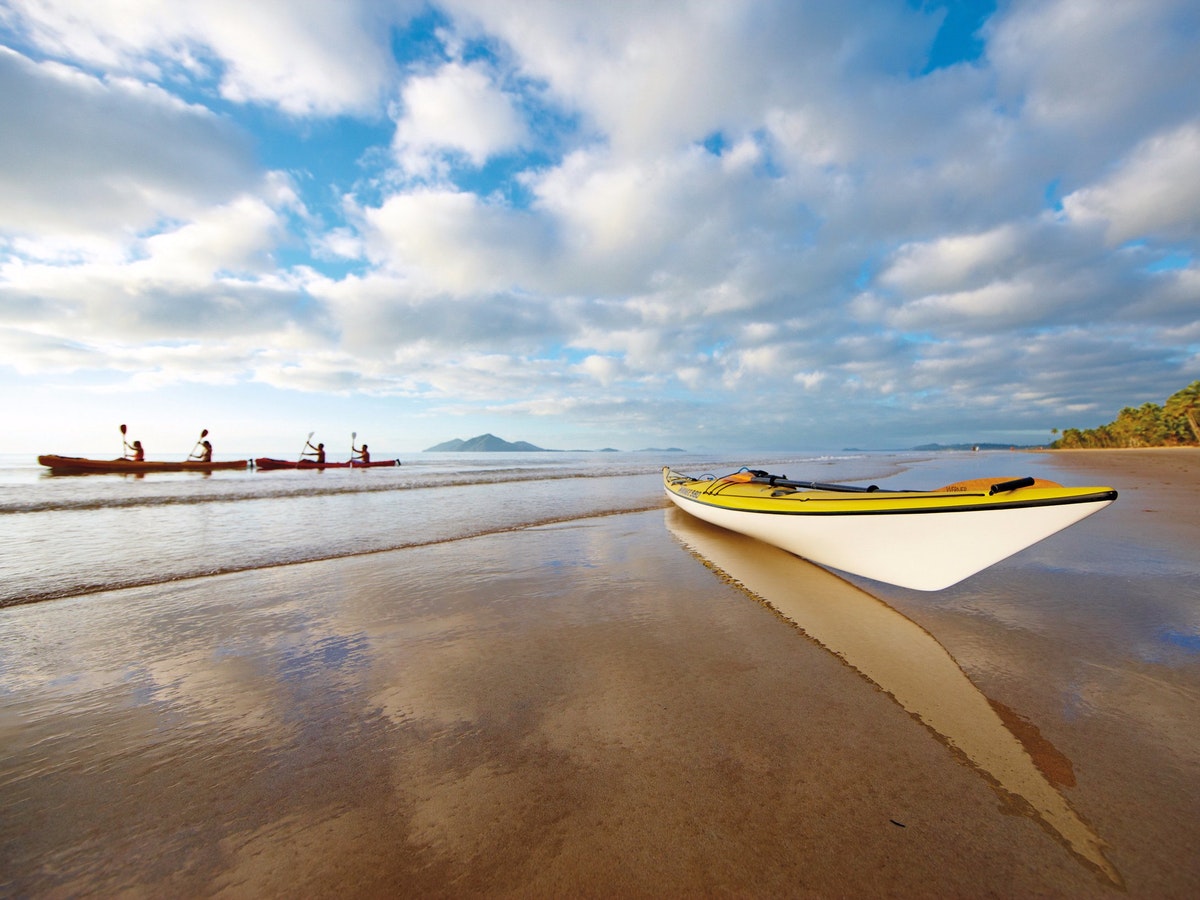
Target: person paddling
{"type": "Point", "coordinates": [360, 455]}
{"type": "Point", "coordinates": [318, 452]}
{"type": "Point", "coordinates": [133, 451]}
{"type": "Point", "coordinates": [203, 452]}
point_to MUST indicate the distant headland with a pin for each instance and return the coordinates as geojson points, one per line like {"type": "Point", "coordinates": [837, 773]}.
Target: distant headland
{"type": "Point", "coordinates": [489, 443]}
{"type": "Point", "coordinates": [1174, 424]}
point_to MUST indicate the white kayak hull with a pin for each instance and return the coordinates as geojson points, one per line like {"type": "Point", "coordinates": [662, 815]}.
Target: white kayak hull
{"type": "Point", "coordinates": [926, 546]}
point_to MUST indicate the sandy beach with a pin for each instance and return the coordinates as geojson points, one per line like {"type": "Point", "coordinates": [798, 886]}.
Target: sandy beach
{"type": "Point", "coordinates": [628, 705]}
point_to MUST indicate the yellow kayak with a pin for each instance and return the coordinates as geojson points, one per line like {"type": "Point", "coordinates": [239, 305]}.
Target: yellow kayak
{"type": "Point", "coordinates": [926, 540]}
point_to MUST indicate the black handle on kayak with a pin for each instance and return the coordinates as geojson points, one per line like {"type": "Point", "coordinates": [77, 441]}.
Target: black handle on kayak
{"type": "Point", "coordinates": [1027, 481]}
{"type": "Point", "coordinates": [783, 481]}
{"type": "Point", "coordinates": [822, 486]}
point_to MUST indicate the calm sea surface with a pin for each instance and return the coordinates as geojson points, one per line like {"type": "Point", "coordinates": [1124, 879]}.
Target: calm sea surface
{"type": "Point", "coordinates": [69, 535]}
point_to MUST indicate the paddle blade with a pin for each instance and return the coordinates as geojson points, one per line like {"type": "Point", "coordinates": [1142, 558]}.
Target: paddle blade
{"type": "Point", "coordinates": [204, 434]}
{"type": "Point", "coordinates": [122, 429]}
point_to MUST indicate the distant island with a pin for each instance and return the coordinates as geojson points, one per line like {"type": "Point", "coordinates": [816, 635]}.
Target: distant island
{"type": "Point", "coordinates": [485, 443]}
{"type": "Point", "coordinates": [1174, 424]}
{"type": "Point", "coordinates": [489, 443]}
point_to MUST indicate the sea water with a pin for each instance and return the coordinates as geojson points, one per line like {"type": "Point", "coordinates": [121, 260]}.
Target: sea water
{"type": "Point", "coordinates": [69, 535]}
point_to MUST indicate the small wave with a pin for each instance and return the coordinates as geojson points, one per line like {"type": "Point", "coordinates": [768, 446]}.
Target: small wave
{"type": "Point", "coordinates": [84, 588]}
{"type": "Point", "coordinates": [297, 489]}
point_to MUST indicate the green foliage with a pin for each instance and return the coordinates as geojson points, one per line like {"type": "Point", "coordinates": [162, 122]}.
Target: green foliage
{"type": "Point", "coordinates": [1176, 424]}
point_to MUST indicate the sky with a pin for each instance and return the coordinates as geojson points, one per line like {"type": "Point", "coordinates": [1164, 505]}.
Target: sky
{"type": "Point", "coordinates": [708, 224]}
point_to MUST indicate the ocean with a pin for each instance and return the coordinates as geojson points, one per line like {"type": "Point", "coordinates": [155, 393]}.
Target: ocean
{"type": "Point", "coordinates": [77, 535]}
{"type": "Point", "coordinates": [70, 535]}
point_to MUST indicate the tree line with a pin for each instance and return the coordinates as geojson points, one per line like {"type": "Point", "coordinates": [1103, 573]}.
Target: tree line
{"type": "Point", "coordinates": [1174, 424]}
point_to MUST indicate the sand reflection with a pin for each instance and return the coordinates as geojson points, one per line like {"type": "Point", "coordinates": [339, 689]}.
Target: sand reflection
{"type": "Point", "coordinates": [901, 658]}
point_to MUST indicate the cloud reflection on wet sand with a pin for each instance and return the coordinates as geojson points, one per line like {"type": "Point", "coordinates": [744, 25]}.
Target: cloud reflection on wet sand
{"type": "Point", "coordinates": [580, 708]}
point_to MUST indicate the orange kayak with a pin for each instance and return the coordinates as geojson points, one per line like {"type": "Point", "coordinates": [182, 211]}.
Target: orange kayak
{"type": "Point", "coordinates": [78, 465]}
{"type": "Point", "coordinates": [266, 463]}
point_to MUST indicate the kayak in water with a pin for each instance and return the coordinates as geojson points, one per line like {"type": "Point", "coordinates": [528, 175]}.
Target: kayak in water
{"type": "Point", "coordinates": [267, 463]}
{"type": "Point", "coordinates": [78, 465]}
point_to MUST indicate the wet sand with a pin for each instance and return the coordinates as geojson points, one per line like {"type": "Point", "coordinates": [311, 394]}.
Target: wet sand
{"type": "Point", "coordinates": [623, 706]}
{"type": "Point", "coordinates": [1163, 483]}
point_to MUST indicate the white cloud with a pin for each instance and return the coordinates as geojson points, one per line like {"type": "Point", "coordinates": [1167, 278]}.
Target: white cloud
{"type": "Point", "coordinates": [953, 261]}
{"type": "Point", "coordinates": [651, 77]}
{"type": "Point", "coordinates": [998, 303]}
{"type": "Point", "coordinates": [115, 156]}
{"type": "Point", "coordinates": [337, 243]}
{"type": "Point", "coordinates": [191, 302]}
{"type": "Point", "coordinates": [234, 238]}
{"type": "Point", "coordinates": [1156, 192]}
{"type": "Point", "coordinates": [309, 57]}
{"type": "Point", "coordinates": [604, 369]}
{"type": "Point", "coordinates": [1094, 68]}
{"type": "Point", "coordinates": [451, 241]}
{"type": "Point", "coordinates": [456, 110]}
{"type": "Point", "coordinates": [685, 224]}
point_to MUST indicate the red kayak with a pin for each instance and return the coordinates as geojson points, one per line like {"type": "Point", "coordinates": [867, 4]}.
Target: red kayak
{"type": "Point", "coordinates": [76, 465]}
{"type": "Point", "coordinates": [266, 462]}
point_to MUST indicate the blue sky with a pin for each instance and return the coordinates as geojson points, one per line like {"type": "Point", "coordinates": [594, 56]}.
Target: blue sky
{"type": "Point", "coordinates": [722, 225]}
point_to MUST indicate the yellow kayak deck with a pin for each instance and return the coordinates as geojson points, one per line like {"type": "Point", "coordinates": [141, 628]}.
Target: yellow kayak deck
{"type": "Point", "coordinates": [769, 494]}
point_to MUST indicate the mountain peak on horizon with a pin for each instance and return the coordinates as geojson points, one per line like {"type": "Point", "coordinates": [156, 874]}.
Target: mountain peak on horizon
{"type": "Point", "coordinates": [484, 443]}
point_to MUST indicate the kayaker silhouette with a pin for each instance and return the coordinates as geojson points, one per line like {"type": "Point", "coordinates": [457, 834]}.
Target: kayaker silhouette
{"type": "Point", "coordinates": [138, 454]}
{"type": "Point", "coordinates": [318, 452]}
{"type": "Point", "coordinates": [361, 455]}
{"type": "Point", "coordinates": [204, 454]}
